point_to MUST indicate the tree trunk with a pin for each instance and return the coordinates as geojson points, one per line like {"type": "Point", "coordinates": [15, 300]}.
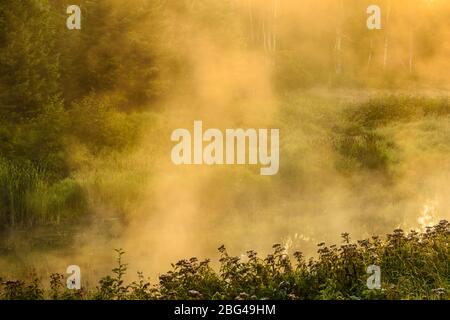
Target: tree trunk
{"type": "Point", "coordinates": [274, 26]}
{"type": "Point", "coordinates": [411, 52]}
{"type": "Point", "coordinates": [386, 37]}
{"type": "Point", "coordinates": [369, 60]}
{"type": "Point", "coordinates": [250, 16]}
{"type": "Point", "coordinates": [338, 43]}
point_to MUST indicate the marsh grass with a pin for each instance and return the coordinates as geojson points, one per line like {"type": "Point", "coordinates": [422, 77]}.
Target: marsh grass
{"type": "Point", "coordinates": [362, 140]}
{"type": "Point", "coordinates": [369, 134]}
{"type": "Point", "coordinates": [28, 198]}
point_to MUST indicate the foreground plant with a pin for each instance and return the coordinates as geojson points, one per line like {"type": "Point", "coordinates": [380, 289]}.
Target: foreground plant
{"type": "Point", "coordinates": [413, 266]}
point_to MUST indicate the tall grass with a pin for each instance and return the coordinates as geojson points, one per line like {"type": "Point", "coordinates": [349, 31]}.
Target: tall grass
{"type": "Point", "coordinates": [16, 184]}
{"type": "Point", "coordinates": [360, 137]}
{"type": "Point", "coordinates": [27, 198]}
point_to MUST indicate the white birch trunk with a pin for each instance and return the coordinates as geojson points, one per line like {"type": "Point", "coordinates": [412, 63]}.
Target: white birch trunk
{"type": "Point", "coordinates": [386, 37]}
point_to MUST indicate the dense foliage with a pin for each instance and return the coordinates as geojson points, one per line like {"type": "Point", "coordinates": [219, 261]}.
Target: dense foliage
{"type": "Point", "coordinates": [66, 92]}
{"type": "Point", "coordinates": [83, 113]}
{"type": "Point", "coordinates": [414, 265]}
{"type": "Point", "coordinates": [62, 91]}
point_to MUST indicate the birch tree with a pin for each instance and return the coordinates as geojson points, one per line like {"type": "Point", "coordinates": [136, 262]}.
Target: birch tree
{"type": "Point", "coordinates": [386, 36]}
{"type": "Point", "coordinates": [411, 51]}
{"type": "Point", "coordinates": [263, 24]}
{"type": "Point", "coordinates": [338, 42]}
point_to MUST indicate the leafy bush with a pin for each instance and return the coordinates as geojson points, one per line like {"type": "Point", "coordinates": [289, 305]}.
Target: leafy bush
{"type": "Point", "coordinates": [96, 122]}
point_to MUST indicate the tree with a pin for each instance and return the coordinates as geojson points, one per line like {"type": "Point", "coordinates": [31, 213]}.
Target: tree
{"type": "Point", "coordinates": [120, 47]}
{"type": "Point", "coordinates": [386, 36]}
{"type": "Point", "coordinates": [338, 43]}
{"type": "Point", "coordinates": [262, 22]}
{"type": "Point", "coordinates": [29, 62]}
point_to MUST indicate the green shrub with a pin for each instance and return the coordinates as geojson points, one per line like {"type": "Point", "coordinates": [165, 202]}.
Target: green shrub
{"type": "Point", "coordinates": [97, 123]}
